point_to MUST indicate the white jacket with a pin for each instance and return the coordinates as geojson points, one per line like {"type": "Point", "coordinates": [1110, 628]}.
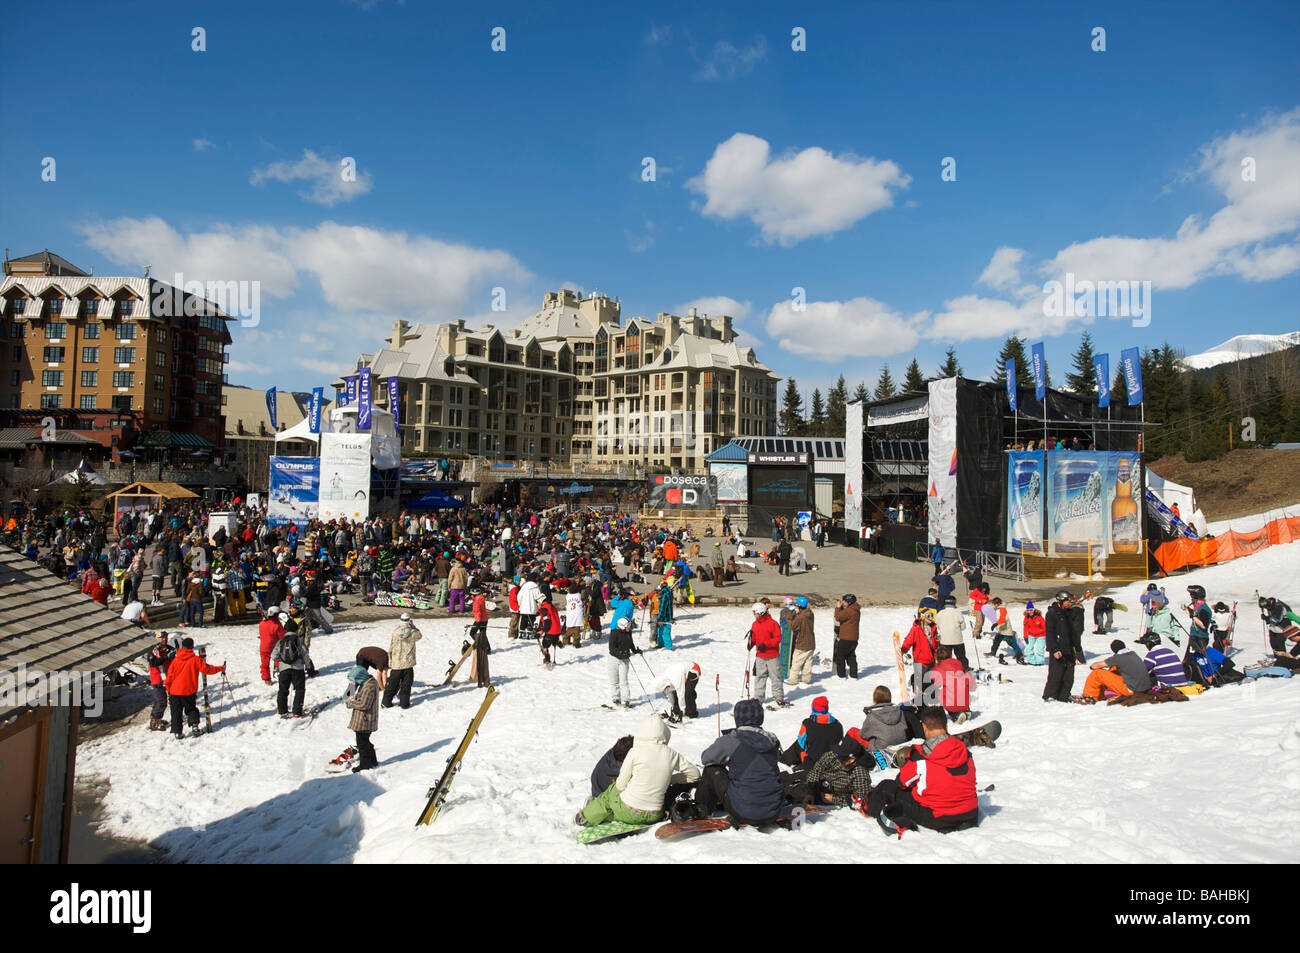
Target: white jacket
{"type": "Point", "coordinates": [573, 610]}
{"type": "Point", "coordinates": [948, 622]}
{"type": "Point", "coordinates": [529, 594]}
{"type": "Point", "coordinates": [674, 677]}
{"type": "Point", "coordinates": [650, 766]}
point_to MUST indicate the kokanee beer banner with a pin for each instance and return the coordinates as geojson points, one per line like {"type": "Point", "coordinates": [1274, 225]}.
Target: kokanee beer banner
{"type": "Point", "coordinates": [681, 492]}
{"type": "Point", "coordinates": [853, 467]}
{"type": "Point", "coordinates": [294, 490]}
{"type": "Point", "coordinates": [344, 476]}
{"type": "Point", "coordinates": [942, 509]}
{"type": "Point", "coordinates": [1025, 501]}
{"type": "Point", "coordinates": [1092, 502]}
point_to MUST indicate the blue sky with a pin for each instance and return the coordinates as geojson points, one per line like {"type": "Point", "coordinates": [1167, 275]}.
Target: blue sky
{"type": "Point", "coordinates": [776, 169]}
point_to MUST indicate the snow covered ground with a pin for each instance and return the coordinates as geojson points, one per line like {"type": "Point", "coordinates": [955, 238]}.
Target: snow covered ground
{"type": "Point", "coordinates": [1257, 521]}
{"type": "Point", "coordinates": [1216, 778]}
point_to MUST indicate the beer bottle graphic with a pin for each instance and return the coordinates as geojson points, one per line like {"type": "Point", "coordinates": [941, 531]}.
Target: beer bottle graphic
{"type": "Point", "coordinates": [1125, 529]}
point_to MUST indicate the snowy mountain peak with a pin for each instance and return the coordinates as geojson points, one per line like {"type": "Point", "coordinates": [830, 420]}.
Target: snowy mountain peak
{"type": "Point", "coordinates": [1240, 347]}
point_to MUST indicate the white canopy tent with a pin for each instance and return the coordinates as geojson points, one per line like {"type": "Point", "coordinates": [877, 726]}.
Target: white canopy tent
{"type": "Point", "coordinates": [1170, 493]}
{"type": "Point", "coordinates": [385, 445]}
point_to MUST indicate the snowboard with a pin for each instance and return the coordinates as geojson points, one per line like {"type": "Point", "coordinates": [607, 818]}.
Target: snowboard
{"type": "Point", "coordinates": [704, 825]}
{"type": "Point", "coordinates": [897, 757]}
{"type": "Point", "coordinates": [610, 830]}
{"type": "Point", "coordinates": [787, 648]}
{"type": "Point", "coordinates": [902, 667]}
{"type": "Point", "coordinates": [438, 793]}
{"type": "Point", "coordinates": [400, 600]}
{"type": "Point", "coordinates": [453, 665]}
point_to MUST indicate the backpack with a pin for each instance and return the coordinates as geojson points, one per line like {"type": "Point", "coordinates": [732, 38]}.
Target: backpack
{"type": "Point", "coordinates": [291, 648]}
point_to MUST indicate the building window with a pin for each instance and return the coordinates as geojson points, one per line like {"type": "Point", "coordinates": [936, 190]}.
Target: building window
{"type": "Point", "coordinates": [51, 378]}
{"type": "Point", "coordinates": [17, 331]}
{"type": "Point", "coordinates": [54, 355]}
{"type": "Point", "coordinates": [18, 352]}
{"type": "Point", "coordinates": [124, 307]}
{"type": "Point", "coordinates": [55, 306]}
{"type": "Point", "coordinates": [51, 401]}
{"type": "Point", "coordinates": [87, 401]}
{"type": "Point", "coordinates": [159, 359]}
{"type": "Point", "coordinates": [159, 383]}
{"type": "Point", "coordinates": [19, 305]}
{"type": "Point", "coordinates": [122, 402]}
{"type": "Point", "coordinates": [157, 405]}
{"type": "Point", "coordinates": [90, 332]}
{"type": "Point", "coordinates": [90, 378]}
{"type": "Point", "coordinates": [124, 379]}
{"type": "Point", "coordinates": [126, 332]}
{"type": "Point", "coordinates": [92, 306]}
{"type": "Point", "coordinates": [90, 355]}
{"type": "Point", "coordinates": [55, 331]}
{"type": "Point", "coordinates": [123, 355]}
{"type": "Point", "coordinates": [15, 378]}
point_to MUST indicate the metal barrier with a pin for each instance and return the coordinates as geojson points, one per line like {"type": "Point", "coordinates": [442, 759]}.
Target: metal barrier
{"type": "Point", "coordinates": [1006, 565]}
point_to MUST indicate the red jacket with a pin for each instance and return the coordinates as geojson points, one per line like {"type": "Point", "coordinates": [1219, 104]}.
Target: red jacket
{"type": "Point", "coordinates": [766, 633]}
{"type": "Point", "coordinates": [1035, 626]}
{"type": "Point", "coordinates": [101, 592]}
{"type": "Point", "coordinates": [184, 670]}
{"type": "Point", "coordinates": [944, 782]}
{"type": "Point", "coordinates": [921, 643]}
{"type": "Point", "coordinates": [480, 609]}
{"type": "Point", "coordinates": [953, 682]}
{"type": "Point", "coordinates": [977, 600]}
{"type": "Point", "coordinates": [553, 624]}
{"type": "Point", "coordinates": [514, 598]}
{"type": "Point", "coordinates": [271, 631]}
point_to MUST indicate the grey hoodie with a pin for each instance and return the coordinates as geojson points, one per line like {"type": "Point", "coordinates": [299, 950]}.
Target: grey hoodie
{"type": "Point", "coordinates": [884, 725]}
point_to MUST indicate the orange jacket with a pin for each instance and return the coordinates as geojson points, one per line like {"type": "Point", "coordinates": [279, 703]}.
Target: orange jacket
{"type": "Point", "coordinates": [184, 670]}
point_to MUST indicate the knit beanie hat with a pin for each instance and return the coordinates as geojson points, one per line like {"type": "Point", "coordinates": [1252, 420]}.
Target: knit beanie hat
{"type": "Point", "coordinates": [748, 713]}
{"type": "Point", "coordinates": [821, 705]}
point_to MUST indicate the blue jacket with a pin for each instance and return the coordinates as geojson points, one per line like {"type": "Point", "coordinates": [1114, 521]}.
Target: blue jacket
{"type": "Point", "coordinates": [936, 554]}
{"type": "Point", "coordinates": [945, 584]}
{"type": "Point", "coordinates": [754, 779]}
{"type": "Point", "coordinates": [623, 609]}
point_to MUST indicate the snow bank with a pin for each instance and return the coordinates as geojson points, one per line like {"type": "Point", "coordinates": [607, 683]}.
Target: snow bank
{"type": "Point", "coordinates": [1217, 778]}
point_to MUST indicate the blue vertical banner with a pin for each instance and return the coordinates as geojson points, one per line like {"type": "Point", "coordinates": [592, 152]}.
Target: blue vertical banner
{"type": "Point", "coordinates": [394, 401]}
{"type": "Point", "coordinates": [351, 383]}
{"type": "Point", "coordinates": [1012, 390]}
{"type": "Point", "coordinates": [313, 409]}
{"type": "Point", "coordinates": [1131, 359]}
{"type": "Point", "coordinates": [363, 399]}
{"type": "Point", "coordinates": [1040, 371]}
{"type": "Point", "coordinates": [1101, 371]}
{"type": "Point", "coordinates": [270, 408]}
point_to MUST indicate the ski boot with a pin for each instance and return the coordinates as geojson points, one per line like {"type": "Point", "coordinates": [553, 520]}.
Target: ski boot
{"type": "Point", "coordinates": [889, 825]}
{"type": "Point", "coordinates": [157, 724]}
{"type": "Point", "coordinates": [962, 717]}
{"type": "Point", "coordinates": [195, 731]}
{"type": "Point", "coordinates": [1002, 659]}
{"type": "Point", "coordinates": [683, 809]}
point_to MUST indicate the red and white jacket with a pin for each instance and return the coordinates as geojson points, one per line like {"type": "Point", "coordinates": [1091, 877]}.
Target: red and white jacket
{"type": "Point", "coordinates": [920, 643]}
{"type": "Point", "coordinates": [944, 780]}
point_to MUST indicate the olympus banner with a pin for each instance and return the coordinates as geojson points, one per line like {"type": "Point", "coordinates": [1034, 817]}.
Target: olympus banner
{"type": "Point", "coordinates": [666, 491]}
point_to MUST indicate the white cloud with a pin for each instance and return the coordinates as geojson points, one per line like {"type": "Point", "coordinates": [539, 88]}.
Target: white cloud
{"type": "Point", "coordinates": [972, 316]}
{"type": "Point", "coordinates": [242, 367]}
{"type": "Point", "coordinates": [659, 35]}
{"type": "Point", "coordinates": [796, 196]}
{"type": "Point", "coordinates": [1003, 270]}
{"type": "Point", "coordinates": [834, 330]}
{"type": "Point", "coordinates": [727, 61]}
{"type": "Point", "coordinates": [715, 305]}
{"type": "Point", "coordinates": [1253, 236]}
{"type": "Point", "coordinates": [203, 145]}
{"type": "Point", "coordinates": [326, 177]}
{"type": "Point", "coordinates": [641, 243]}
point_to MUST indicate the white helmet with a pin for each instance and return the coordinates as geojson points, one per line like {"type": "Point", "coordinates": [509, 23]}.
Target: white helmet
{"type": "Point", "coordinates": [625, 623]}
{"type": "Point", "coordinates": [405, 617]}
{"type": "Point", "coordinates": [759, 608]}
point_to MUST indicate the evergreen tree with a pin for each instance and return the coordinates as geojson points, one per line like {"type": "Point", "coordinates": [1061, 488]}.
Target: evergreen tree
{"type": "Point", "coordinates": [790, 419]}
{"type": "Point", "coordinates": [1119, 390]}
{"type": "Point", "coordinates": [817, 418]}
{"type": "Point", "coordinates": [885, 385]}
{"type": "Point", "coordinates": [1014, 347]}
{"type": "Point", "coordinates": [1082, 377]}
{"type": "Point", "coordinates": [913, 379]}
{"type": "Point", "coordinates": [949, 367]}
{"type": "Point", "coordinates": [861, 394]}
{"type": "Point", "coordinates": [835, 408]}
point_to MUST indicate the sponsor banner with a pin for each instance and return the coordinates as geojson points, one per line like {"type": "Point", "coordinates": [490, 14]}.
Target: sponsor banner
{"type": "Point", "coordinates": [344, 476]}
{"type": "Point", "coordinates": [942, 508]}
{"type": "Point", "coordinates": [1025, 501]}
{"type": "Point", "coordinates": [1039, 363]}
{"type": "Point", "coordinates": [1092, 502]}
{"type": "Point", "coordinates": [395, 401]}
{"type": "Point", "coordinates": [1013, 392]}
{"type": "Point", "coordinates": [778, 459]}
{"type": "Point", "coordinates": [1131, 359]}
{"type": "Point", "coordinates": [351, 392]}
{"type": "Point", "coordinates": [732, 486]}
{"type": "Point", "coordinates": [1101, 371]}
{"type": "Point", "coordinates": [294, 491]}
{"type": "Point", "coordinates": [314, 408]}
{"type": "Point", "coordinates": [681, 492]}
{"type": "Point", "coordinates": [363, 399]}
{"type": "Point", "coordinates": [853, 467]}
{"type": "Point", "coordinates": [270, 408]}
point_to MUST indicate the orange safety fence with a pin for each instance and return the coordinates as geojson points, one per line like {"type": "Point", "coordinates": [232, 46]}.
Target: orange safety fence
{"type": "Point", "coordinates": [1232, 545]}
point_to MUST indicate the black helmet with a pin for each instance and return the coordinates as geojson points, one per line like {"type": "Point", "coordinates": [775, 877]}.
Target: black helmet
{"type": "Point", "coordinates": [1221, 607]}
{"type": "Point", "coordinates": [1149, 639]}
{"type": "Point", "coordinates": [849, 598]}
{"type": "Point", "coordinates": [1065, 595]}
{"type": "Point", "coordinates": [1151, 587]}
{"type": "Point", "coordinates": [1196, 592]}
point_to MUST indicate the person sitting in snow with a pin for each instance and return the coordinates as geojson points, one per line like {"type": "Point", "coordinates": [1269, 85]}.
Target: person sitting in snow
{"type": "Point", "coordinates": [818, 733]}
{"type": "Point", "coordinates": [839, 775]}
{"type": "Point", "coordinates": [741, 773]}
{"type": "Point", "coordinates": [637, 794]}
{"type": "Point", "coordinates": [1280, 623]}
{"type": "Point", "coordinates": [1163, 663]}
{"type": "Point", "coordinates": [1123, 673]}
{"type": "Point", "coordinates": [887, 724]}
{"type": "Point", "coordinates": [935, 787]}
{"type": "Point", "coordinates": [610, 763]}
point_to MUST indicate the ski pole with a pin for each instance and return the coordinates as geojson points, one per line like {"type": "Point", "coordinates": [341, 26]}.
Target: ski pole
{"type": "Point", "coordinates": [717, 687]}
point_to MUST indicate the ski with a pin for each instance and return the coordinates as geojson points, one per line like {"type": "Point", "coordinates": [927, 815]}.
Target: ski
{"type": "Point", "coordinates": [438, 793]}
{"type": "Point", "coordinates": [902, 669]}
{"type": "Point", "coordinates": [674, 830]}
{"type": "Point", "coordinates": [207, 708]}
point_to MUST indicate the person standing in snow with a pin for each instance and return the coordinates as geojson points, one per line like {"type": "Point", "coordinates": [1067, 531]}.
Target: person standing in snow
{"type": "Point", "coordinates": [1063, 634]}
{"type": "Point", "coordinates": [765, 639]}
{"type": "Point", "coordinates": [805, 644]}
{"type": "Point", "coordinates": [292, 660]}
{"type": "Point", "coordinates": [621, 650]}
{"type": "Point", "coordinates": [664, 616]}
{"type": "Point", "coordinates": [270, 631]}
{"type": "Point", "coordinates": [183, 686]}
{"type": "Point", "coordinates": [401, 662]}
{"type": "Point", "coordinates": [160, 657]}
{"type": "Point", "coordinates": [479, 670]}
{"type": "Point", "coordinates": [550, 628]}
{"type": "Point", "coordinates": [637, 794]}
{"type": "Point", "coordinates": [363, 699]}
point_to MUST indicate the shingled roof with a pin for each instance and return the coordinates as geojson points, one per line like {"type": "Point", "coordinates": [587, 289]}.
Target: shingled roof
{"type": "Point", "coordinates": [49, 626]}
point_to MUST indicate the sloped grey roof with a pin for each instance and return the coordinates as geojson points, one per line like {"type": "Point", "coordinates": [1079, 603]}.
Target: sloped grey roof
{"type": "Point", "coordinates": [15, 438]}
{"type": "Point", "coordinates": [48, 257]}
{"type": "Point", "coordinates": [48, 625]}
